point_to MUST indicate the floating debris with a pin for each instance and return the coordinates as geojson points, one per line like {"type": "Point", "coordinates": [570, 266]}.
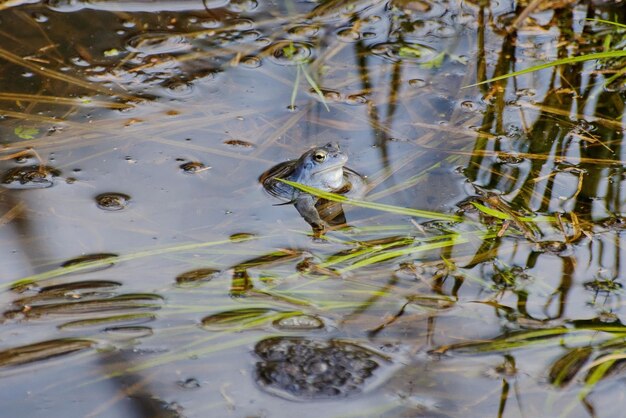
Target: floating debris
{"type": "Point", "coordinates": [96, 261]}
{"type": "Point", "coordinates": [131, 319]}
{"type": "Point", "coordinates": [251, 62]}
{"type": "Point", "coordinates": [112, 201]}
{"type": "Point", "coordinates": [31, 177]}
{"type": "Point", "coordinates": [299, 323]}
{"type": "Point", "coordinates": [242, 318]}
{"type": "Point", "coordinates": [70, 291]}
{"type": "Point", "coordinates": [129, 332]}
{"type": "Point", "coordinates": [195, 276]}
{"type": "Point", "coordinates": [241, 236]}
{"type": "Point", "coordinates": [129, 301]}
{"type": "Point", "coordinates": [193, 167]}
{"type": "Point", "coordinates": [238, 143]}
{"type": "Point", "coordinates": [191, 383]}
{"type": "Point", "coordinates": [290, 53]}
{"type": "Point", "coordinates": [42, 351]}
{"type": "Point", "coordinates": [158, 43]}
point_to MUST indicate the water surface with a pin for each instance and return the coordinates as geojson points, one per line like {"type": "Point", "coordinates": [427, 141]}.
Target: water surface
{"type": "Point", "coordinates": [145, 271]}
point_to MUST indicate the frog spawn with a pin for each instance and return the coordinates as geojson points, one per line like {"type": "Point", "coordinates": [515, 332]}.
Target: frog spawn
{"type": "Point", "coordinates": [302, 369]}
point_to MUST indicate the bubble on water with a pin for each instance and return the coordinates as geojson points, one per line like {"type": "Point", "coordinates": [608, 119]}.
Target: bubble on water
{"type": "Point", "coordinates": [263, 42]}
{"type": "Point", "coordinates": [40, 17]}
{"type": "Point", "coordinates": [22, 159]}
{"type": "Point", "coordinates": [304, 31]}
{"type": "Point", "coordinates": [158, 43]}
{"type": "Point", "coordinates": [242, 24]}
{"type": "Point", "coordinates": [79, 62]}
{"type": "Point", "coordinates": [329, 95]}
{"type": "Point", "coordinates": [65, 6]}
{"type": "Point", "coordinates": [511, 158]}
{"type": "Point", "coordinates": [251, 62]}
{"type": "Point", "coordinates": [290, 53]}
{"type": "Point", "coordinates": [357, 99]}
{"type": "Point", "coordinates": [193, 167]}
{"type": "Point", "coordinates": [179, 88]}
{"type": "Point", "coordinates": [191, 383]}
{"type": "Point", "coordinates": [348, 35]}
{"type": "Point", "coordinates": [554, 247]}
{"type": "Point", "coordinates": [249, 36]}
{"type": "Point", "coordinates": [242, 6]}
{"type": "Point", "coordinates": [373, 19]}
{"type": "Point", "coordinates": [525, 92]}
{"type": "Point", "coordinates": [214, 4]}
{"type": "Point", "coordinates": [31, 177]}
{"type": "Point", "coordinates": [299, 323]}
{"type": "Point", "coordinates": [445, 31]}
{"type": "Point", "coordinates": [468, 105]}
{"type": "Point", "coordinates": [239, 143]}
{"type": "Point", "coordinates": [405, 52]}
{"type": "Point", "coordinates": [112, 201]}
{"type": "Point", "coordinates": [417, 82]}
{"type": "Point", "coordinates": [210, 23]}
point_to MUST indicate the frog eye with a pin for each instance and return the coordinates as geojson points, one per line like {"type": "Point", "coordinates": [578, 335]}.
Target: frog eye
{"type": "Point", "coordinates": [319, 156]}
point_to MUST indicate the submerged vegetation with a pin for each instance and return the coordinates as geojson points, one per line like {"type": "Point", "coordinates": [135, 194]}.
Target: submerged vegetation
{"type": "Point", "coordinates": [481, 275]}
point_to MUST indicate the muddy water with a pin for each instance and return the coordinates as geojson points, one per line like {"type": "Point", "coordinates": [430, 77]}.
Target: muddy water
{"type": "Point", "coordinates": [145, 271]}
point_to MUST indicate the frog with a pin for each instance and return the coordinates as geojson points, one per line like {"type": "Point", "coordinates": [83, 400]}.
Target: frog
{"type": "Point", "coordinates": [322, 167]}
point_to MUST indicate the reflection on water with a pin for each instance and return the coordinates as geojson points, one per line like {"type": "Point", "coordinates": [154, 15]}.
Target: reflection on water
{"type": "Point", "coordinates": [147, 273]}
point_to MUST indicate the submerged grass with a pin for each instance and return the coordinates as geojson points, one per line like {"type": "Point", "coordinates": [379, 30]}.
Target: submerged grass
{"type": "Point", "coordinates": [88, 265]}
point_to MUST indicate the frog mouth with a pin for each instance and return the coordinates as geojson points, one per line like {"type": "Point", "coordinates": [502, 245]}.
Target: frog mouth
{"type": "Point", "coordinates": [331, 168]}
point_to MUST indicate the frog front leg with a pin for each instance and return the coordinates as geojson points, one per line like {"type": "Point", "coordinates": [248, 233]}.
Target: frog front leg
{"type": "Point", "coordinates": [305, 204]}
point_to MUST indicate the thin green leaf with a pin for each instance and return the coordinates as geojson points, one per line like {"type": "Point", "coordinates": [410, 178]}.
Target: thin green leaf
{"type": "Point", "coordinates": [406, 251]}
{"type": "Point", "coordinates": [505, 216]}
{"type": "Point", "coordinates": [564, 61]}
{"type": "Point", "coordinates": [594, 376]}
{"type": "Point", "coordinates": [608, 22]}
{"type": "Point", "coordinates": [491, 212]}
{"type": "Point", "coordinates": [334, 197]}
{"type": "Point", "coordinates": [103, 262]}
{"type": "Point", "coordinates": [314, 85]}
{"type": "Point", "coordinates": [294, 92]}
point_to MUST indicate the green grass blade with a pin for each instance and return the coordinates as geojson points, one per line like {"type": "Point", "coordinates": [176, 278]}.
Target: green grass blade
{"type": "Point", "coordinates": [294, 92]}
{"type": "Point", "coordinates": [505, 216]}
{"type": "Point", "coordinates": [564, 61]}
{"type": "Point", "coordinates": [608, 22]}
{"type": "Point", "coordinates": [315, 86]}
{"type": "Point", "coordinates": [334, 197]}
{"type": "Point", "coordinates": [101, 263]}
{"type": "Point", "coordinates": [406, 251]}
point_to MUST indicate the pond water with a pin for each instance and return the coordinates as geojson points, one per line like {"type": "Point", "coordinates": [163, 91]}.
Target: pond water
{"type": "Point", "coordinates": [146, 272]}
